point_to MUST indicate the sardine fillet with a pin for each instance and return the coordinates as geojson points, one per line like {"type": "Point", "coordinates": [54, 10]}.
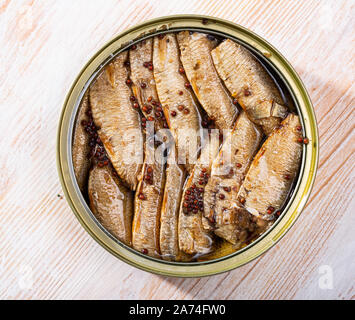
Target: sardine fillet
{"type": "Point", "coordinates": [143, 82]}
{"type": "Point", "coordinates": [146, 222]}
{"type": "Point", "coordinates": [119, 124]}
{"type": "Point", "coordinates": [111, 203]}
{"type": "Point", "coordinates": [194, 236]}
{"type": "Point", "coordinates": [172, 93]}
{"type": "Point", "coordinates": [250, 84]}
{"type": "Point", "coordinates": [269, 179]}
{"type": "Point", "coordinates": [197, 61]}
{"type": "Point", "coordinates": [81, 147]}
{"type": "Point", "coordinates": [228, 172]}
{"type": "Point", "coordinates": [175, 179]}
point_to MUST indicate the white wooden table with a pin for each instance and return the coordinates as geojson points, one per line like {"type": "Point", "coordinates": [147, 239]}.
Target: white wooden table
{"type": "Point", "coordinates": [46, 254]}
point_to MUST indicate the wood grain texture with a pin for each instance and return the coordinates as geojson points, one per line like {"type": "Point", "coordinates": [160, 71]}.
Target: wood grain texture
{"type": "Point", "coordinates": [46, 254]}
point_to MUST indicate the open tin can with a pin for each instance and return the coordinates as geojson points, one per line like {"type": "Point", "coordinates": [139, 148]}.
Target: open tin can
{"type": "Point", "coordinates": [297, 99]}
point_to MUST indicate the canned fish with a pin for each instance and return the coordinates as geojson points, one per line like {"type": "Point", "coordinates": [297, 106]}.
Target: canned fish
{"type": "Point", "coordinates": [169, 253]}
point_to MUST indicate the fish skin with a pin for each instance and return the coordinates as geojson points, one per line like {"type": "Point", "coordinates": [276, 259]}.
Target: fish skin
{"type": "Point", "coordinates": [250, 229]}
{"type": "Point", "coordinates": [169, 82]}
{"type": "Point", "coordinates": [142, 75]}
{"type": "Point", "coordinates": [81, 148]}
{"type": "Point", "coordinates": [248, 82]}
{"type": "Point", "coordinates": [199, 68]}
{"type": "Point", "coordinates": [271, 174]}
{"type": "Point", "coordinates": [119, 124]}
{"type": "Point", "coordinates": [146, 221]}
{"type": "Point", "coordinates": [169, 240]}
{"type": "Point", "coordinates": [111, 202]}
{"type": "Point", "coordinates": [240, 147]}
{"type": "Point", "coordinates": [240, 226]}
{"type": "Point", "coordinates": [194, 235]}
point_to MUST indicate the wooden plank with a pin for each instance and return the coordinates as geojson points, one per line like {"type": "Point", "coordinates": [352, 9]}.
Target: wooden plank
{"type": "Point", "coordinates": [45, 253]}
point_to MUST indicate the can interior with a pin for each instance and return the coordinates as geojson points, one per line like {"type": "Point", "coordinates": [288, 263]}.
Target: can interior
{"type": "Point", "coordinates": [287, 95]}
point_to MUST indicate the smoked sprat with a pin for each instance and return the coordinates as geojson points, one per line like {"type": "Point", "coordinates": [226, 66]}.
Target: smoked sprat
{"type": "Point", "coordinates": [183, 145]}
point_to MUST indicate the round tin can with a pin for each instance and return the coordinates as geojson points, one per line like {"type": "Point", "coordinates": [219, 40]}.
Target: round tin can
{"type": "Point", "coordinates": [280, 69]}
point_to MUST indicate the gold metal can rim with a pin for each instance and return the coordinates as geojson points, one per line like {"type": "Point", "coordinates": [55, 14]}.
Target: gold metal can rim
{"type": "Point", "coordinates": [299, 96]}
